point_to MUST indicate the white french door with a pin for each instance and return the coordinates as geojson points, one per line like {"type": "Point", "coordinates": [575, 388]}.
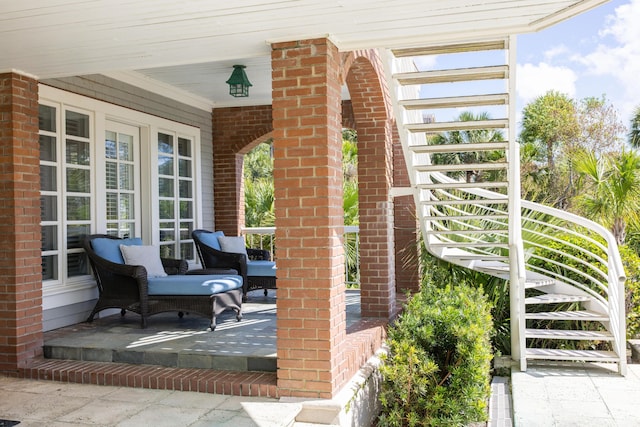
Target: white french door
{"type": "Point", "coordinates": [122, 190]}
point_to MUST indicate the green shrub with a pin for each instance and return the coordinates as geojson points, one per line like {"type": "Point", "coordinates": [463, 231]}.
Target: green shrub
{"type": "Point", "coordinates": [437, 369]}
{"type": "Point", "coordinates": [631, 262]}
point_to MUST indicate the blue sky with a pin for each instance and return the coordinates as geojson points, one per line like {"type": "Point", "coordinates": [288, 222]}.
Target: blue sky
{"type": "Point", "coordinates": [595, 53]}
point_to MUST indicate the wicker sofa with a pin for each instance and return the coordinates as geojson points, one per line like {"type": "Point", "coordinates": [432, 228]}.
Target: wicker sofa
{"type": "Point", "coordinates": [254, 265]}
{"type": "Point", "coordinates": [131, 288]}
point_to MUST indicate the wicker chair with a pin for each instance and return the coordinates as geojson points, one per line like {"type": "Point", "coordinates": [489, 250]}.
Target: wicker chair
{"type": "Point", "coordinates": [127, 287]}
{"type": "Point", "coordinates": [255, 267]}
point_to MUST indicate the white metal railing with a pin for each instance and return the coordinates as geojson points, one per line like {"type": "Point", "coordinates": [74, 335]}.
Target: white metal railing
{"type": "Point", "coordinates": [264, 238]}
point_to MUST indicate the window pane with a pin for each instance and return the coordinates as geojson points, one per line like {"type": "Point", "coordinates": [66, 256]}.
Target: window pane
{"type": "Point", "coordinates": [48, 181]}
{"type": "Point", "coordinates": [77, 264]}
{"type": "Point", "coordinates": [186, 209]}
{"type": "Point", "coordinates": [127, 230]}
{"type": "Point", "coordinates": [184, 168]}
{"type": "Point", "coordinates": [165, 166]}
{"type": "Point", "coordinates": [166, 209]}
{"type": "Point", "coordinates": [112, 207]}
{"type": "Point", "coordinates": [165, 187]}
{"type": "Point", "coordinates": [184, 147]}
{"type": "Point", "coordinates": [167, 232]}
{"type": "Point", "coordinates": [47, 118]}
{"type": "Point", "coordinates": [78, 180]}
{"type": "Point", "coordinates": [167, 251]}
{"type": "Point", "coordinates": [126, 147]}
{"type": "Point", "coordinates": [111, 178]}
{"type": "Point", "coordinates": [75, 234]}
{"type": "Point", "coordinates": [126, 177]}
{"type": "Point", "coordinates": [49, 238]}
{"type": "Point", "coordinates": [186, 250]}
{"type": "Point", "coordinates": [78, 153]}
{"type": "Point", "coordinates": [49, 208]}
{"type": "Point", "coordinates": [110, 151]}
{"type": "Point", "coordinates": [185, 189]}
{"type": "Point", "coordinates": [50, 267]}
{"type": "Point", "coordinates": [48, 148]}
{"type": "Point", "coordinates": [77, 124]}
{"type": "Point", "coordinates": [186, 227]}
{"type": "Point", "coordinates": [126, 206]}
{"type": "Point", "coordinates": [165, 143]}
{"type": "Point", "coordinates": [78, 208]}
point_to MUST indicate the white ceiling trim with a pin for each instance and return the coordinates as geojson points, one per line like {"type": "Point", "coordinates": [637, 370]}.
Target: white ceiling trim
{"type": "Point", "coordinates": [141, 81]}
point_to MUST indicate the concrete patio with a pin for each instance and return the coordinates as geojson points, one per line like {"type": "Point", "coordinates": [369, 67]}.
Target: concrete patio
{"type": "Point", "coordinates": [545, 395]}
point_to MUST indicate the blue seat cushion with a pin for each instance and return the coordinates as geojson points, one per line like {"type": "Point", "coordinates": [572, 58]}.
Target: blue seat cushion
{"type": "Point", "coordinates": [261, 268]}
{"type": "Point", "coordinates": [193, 284]}
{"type": "Point", "coordinates": [109, 249]}
{"type": "Point", "coordinates": [211, 239]}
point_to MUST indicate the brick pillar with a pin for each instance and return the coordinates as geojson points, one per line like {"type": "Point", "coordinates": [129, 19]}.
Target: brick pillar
{"type": "Point", "coordinates": [234, 129]}
{"type": "Point", "coordinates": [406, 227]}
{"type": "Point", "coordinates": [20, 262]}
{"type": "Point", "coordinates": [375, 179]}
{"type": "Point", "coordinates": [309, 218]}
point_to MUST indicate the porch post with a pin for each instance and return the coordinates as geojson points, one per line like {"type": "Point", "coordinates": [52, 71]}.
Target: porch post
{"type": "Point", "coordinates": [372, 110]}
{"type": "Point", "coordinates": [20, 259]}
{"type": "Point", "coordinates": [311, 317]}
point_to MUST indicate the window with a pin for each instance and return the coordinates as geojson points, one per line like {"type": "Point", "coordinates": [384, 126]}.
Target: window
{"type": "Point", "coordinates": [65, 184]}
{"type": "Point", "coordinates": [106, 169]}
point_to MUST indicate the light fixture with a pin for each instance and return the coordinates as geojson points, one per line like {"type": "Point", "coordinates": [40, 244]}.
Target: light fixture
{"type": "Point", "coordinates": [238, 82]}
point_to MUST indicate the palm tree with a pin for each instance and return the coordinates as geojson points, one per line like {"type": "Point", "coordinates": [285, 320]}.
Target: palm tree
{"type": "Point", "coordinates": [468, 137]}
{"type": "Point", "coordinates": [611, 192]}
{"type": "Point", "coordinates": [634, 133]}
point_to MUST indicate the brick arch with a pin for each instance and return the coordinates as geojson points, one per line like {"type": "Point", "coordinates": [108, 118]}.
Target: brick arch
{"type": "Point", "coordinates": [363, 76]}
{"type": "Point", "coordinates": [236, 131]}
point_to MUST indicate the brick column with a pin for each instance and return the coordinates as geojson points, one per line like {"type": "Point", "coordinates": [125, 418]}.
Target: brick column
{"type": "Point", "coordinates": [406, 227]}
{"type": "Point", "coordinates": [375, 178]}
{"type": "Point", "coordinates": [20, 261]}
{"type": "Point", "coordinates": [309, 218]}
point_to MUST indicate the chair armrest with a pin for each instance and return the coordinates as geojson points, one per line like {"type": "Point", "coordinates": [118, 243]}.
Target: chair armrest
{"type": "Point", "coordinates": [258, 254]}
{"type": "Point", "coordinates": [174, 266]}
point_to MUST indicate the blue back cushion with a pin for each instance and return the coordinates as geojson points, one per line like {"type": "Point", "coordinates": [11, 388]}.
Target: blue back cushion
{"type": "Point", "coordinates": [109, 249]}
{"type": "Point", "coordinates": [211, 239]}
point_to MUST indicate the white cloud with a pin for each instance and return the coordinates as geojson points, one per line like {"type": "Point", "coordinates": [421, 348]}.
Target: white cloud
{"type": "Point", "coordinates": [618, 54]}
{"type": "Point", "coordinates": [555, 51]}
{"type": "Point", "coordinates": [536, 80]}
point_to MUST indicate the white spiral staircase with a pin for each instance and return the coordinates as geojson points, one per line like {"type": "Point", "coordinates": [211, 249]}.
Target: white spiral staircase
{"type": "Point", "coordinates": [566, 276]}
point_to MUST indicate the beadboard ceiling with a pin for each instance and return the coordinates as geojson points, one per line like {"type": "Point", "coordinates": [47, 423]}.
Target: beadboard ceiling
{"type": "Point", "coordinates": [187, 48]}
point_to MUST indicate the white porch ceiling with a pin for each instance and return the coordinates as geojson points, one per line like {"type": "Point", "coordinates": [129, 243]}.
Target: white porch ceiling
{"type": "Point", "coordinates": [188, 47]}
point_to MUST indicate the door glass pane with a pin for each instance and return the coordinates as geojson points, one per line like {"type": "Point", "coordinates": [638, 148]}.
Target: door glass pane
{"type": "Point", "coordinates": [78, 153]}
{"type": "Point", "coordinates": [75, 234]}
{"type": "Point", "coordinates": [166, 209]}
{"type": "Point", "coordinates": [126, 177]}
{"type": "Point", "coordinates": [185, 189]}
{"type": "Point", "coordinates": [111, 178]}
{"type": "Point", "coordinates": [48, 181]}
{"type": "Point", "coordinates": [48, 148]}
{"type": "Point", "coordinates": [165, 187]}
{"type": "Point", "coordinates": [186, 227]}
{"type": "Point", "coordinates": [167, 232]}
{"type": "Point", "coordinates": [78, 180]}
{"type": "Point", "coordinates": [48, 208]}
{"type": "Point", "coordinates": [47, 118]}
{"type": "Point", "coordinates": [186, 209]}
{"type": "Point", "coordinates": [184, 168]}
{"type": "Point", "coordinates": [78, 208]}
{"type": "Point", "coordinates": [126, 147]}
{"type": "Point", "coordinates": [77, 124]}
{"type": "Point", "coordinates": [112, 206]}
{"type": "Point", "coordinates": [165, 143]}
{"type": "Point", "coordinates": [184, 147]}
{"type": "Point", "coordinates": [165, 166]}
{"type": "Point", "coordinates": [126, 206]}
{"type": "Point", "coordinates": [110, 145]}
{"type": "Point", "coordinates": [49, 238]}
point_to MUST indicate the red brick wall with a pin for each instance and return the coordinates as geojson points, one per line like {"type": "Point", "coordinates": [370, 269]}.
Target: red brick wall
{"type": "Point", "coordinates": [235, 132]}
{"type": "Point", "coordinates": [20, 271]}
{"type": "Point", "coordinates": [309, 218]}
{"type": "Point", "coordinates": [372, 112]}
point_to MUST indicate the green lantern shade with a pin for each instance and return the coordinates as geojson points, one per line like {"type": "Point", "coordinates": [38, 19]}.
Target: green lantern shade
{"type": "Point", "coordinates": [238, 82]}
